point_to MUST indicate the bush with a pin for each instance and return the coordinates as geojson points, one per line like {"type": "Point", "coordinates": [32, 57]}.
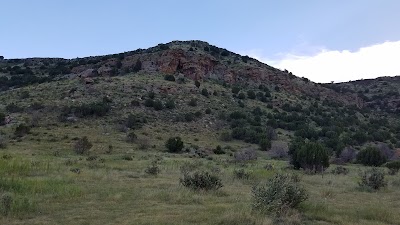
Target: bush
{"type": "Point", "coordinates": [265, 144]}
{"type": "Point", "coordinates": [393, 166]}
{"type": "Point", "coordinates": [170, 104]}
{"type": "Point", "coordinates": [241, 95]}
{"type": "Point", "coordinates": [372, 179]}
{"type": "Point", "coordinates": [14, 108]}
{"type": "Point", "coordinates": [201, 180]}
{"type": "Point", "coordinates": [279, 194]}
{"type": "Point", "coordinates": [205, 92]}
{"type": "Point", "coordinates": [241, 174]}
{"type": "Point", "coordinates": [226, 136]}
{"type": "Point", "coordinates": [22, 130]}
{"type": "Point", "coordinates": [134, 121]}
{"type": "Point", "coordinates": [3, 142]}
{"type": "Point", "coordinates": [174, 144]}
{"type": "Point", "coordinates": [82, 146]}
{"type": "Point", "coordinates": [251, 94]}
{"type": "Point", "coordinates": [153, 169]}
{"type": "Point", "coordinates": [169, 77]}
{"type": "Point", "coordinates": [310, 156]}
{"type": "Point", "coordinates": [192, 102]}
{"type": "Point", "coordinates": [131, 137]}
{"type": "Point", "coordinates": [208, 111]}
{"type": "Point", "coordinates": [235, 90]}
{"type": "Point", "coordinates": [158, 105]}
{"type": "Point", "coordinates": [2, 119]}
{"type": "Point", "coordinates": [218, 150]}
{"type": "Point", "coordinates": [245, 155]}
{"type": "Point", "coordinates": [6, 201]}
{"type": "Point", "coordinates": [197, 83]}
{"type": "Point", "coordinates": [371, 156]}
{"type": "Point", "coordinates": [340, 170]}
{"type": "Point", "coordinates": [149, 102]}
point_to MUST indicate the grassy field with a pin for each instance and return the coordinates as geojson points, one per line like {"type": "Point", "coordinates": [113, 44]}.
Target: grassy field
{"type": "Point", "coordinates": [117, 191]}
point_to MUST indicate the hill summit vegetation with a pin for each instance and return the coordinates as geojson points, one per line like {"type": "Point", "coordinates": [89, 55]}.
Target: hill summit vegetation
{"type": "Point", "coordinates": [189, 133]}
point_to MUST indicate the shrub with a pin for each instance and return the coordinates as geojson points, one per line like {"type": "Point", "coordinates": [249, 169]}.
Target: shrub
{"type": "Point", "coordinates": [245, 155]}
{"type": "Point", "coordinates": [137, 67]}
{"type": "Point", "coordinates": [143, 143]}
{"type": "Point", "coordinates": [158, 105]}
{"type": "Point", "coordinates": [151, 94]}
{"type": "Point", "coordinates": [6, 201]}
{"type": "Point", "coordinates": [201, 180]}
{"type": "Point", "coordinates": [251, 94]}
{"type": "Point", "coordinates": [149, 102]}
{"type": "Point", "coordinates": [13, 108]}
{"type": "Point", "coordinates": [153, 169]}
{"type": "Point", "coordinates": [372, 179]}
{"type": "Point", "coordinates": [197, 83]}
{"type": "Point", "coordinates": [235, 90]}
{"type": "Point", "coordinates": [310, 156]}
{"type": "Point", "coordinates": [170, 104]}
{"type": "Point", "coordinates": [169, 77]}
{"type": "Point", "coordinates": [208, 111]}
{"type": "Point", "coordinates": [3, 142]}
{"type": "Point", "coordinates": [22, 130]}
{"type": "Point", "coordinates": [134, 121]}
{"type": "Point", "coordinates": [192, 102]}
{"type": "Point", "coordinates": [241, 95]}
{"type": "Point", "coordinates": [371, 156]}
{"type": "Point", "coordinates": [279, 194]}
{"type": "Point", "coordinates": [205, 92]}
{"type": "Point", "coordinates": [265, 144]}
{"type": "Point", "coordinates": [174, 144]}
{"type": "Point", "coordinates": [393, 166]}
{"type": "Point", "coordinates": [127, 157]}
{"type": "Point", "coordinates": [82, 146]}
{"type": "Point", "coordinates": [218, 150]}
{"type": "Point", "coordinates": [131, 137]}
{"type": "Point", "coordinates": [226, 136]}
{"type": "Point", "coordinates": [340, 170]}
{"type": "Point", "coordinates": [241, 174]}
{"type": "Point", "coordinates": [2, 119]}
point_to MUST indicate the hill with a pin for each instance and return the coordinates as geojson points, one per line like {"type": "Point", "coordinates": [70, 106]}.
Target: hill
{"type": "Point", "coordinates": [79, 132]}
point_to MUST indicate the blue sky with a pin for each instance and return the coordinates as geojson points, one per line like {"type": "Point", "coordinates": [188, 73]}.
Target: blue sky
{"type": "Point", "coordinates": [293, 34]}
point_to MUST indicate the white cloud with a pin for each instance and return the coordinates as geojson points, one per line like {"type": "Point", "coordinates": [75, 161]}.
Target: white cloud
{"type": "Point", "coordinates": [331, 65]}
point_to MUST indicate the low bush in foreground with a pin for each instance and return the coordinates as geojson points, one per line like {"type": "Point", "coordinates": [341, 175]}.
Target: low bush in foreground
{"type": "Point", "coordinates": [372, 179]}
{"type": "Point", "coordinates": [279, 194]}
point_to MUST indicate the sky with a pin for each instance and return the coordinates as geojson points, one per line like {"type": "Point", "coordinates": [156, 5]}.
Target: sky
{"type": "Point", "coordinates": [323, 40]}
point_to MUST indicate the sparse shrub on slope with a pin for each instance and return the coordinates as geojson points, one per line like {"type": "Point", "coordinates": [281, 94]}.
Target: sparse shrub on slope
{"type": "Point", "coordinates": [22, 130]}
{"type": "Point", "coordinates": [82, 146]}
{"type": "Point", "coordinates": [279, 194]}
{"type": "Point", "coordinates": [371, 156]}
{"type": "Point", "coordinates": [201, 180]}
{"type": "Point", "coordinates": [169, 77]}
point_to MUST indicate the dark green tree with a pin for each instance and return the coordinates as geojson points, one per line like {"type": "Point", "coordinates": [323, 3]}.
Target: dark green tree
{"type": "Point", "coordinates": [174, 144]}
{"type": "Point", "coordinates": [310, 156]}
{"type": "Point", "coordinates": [371, 156]}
